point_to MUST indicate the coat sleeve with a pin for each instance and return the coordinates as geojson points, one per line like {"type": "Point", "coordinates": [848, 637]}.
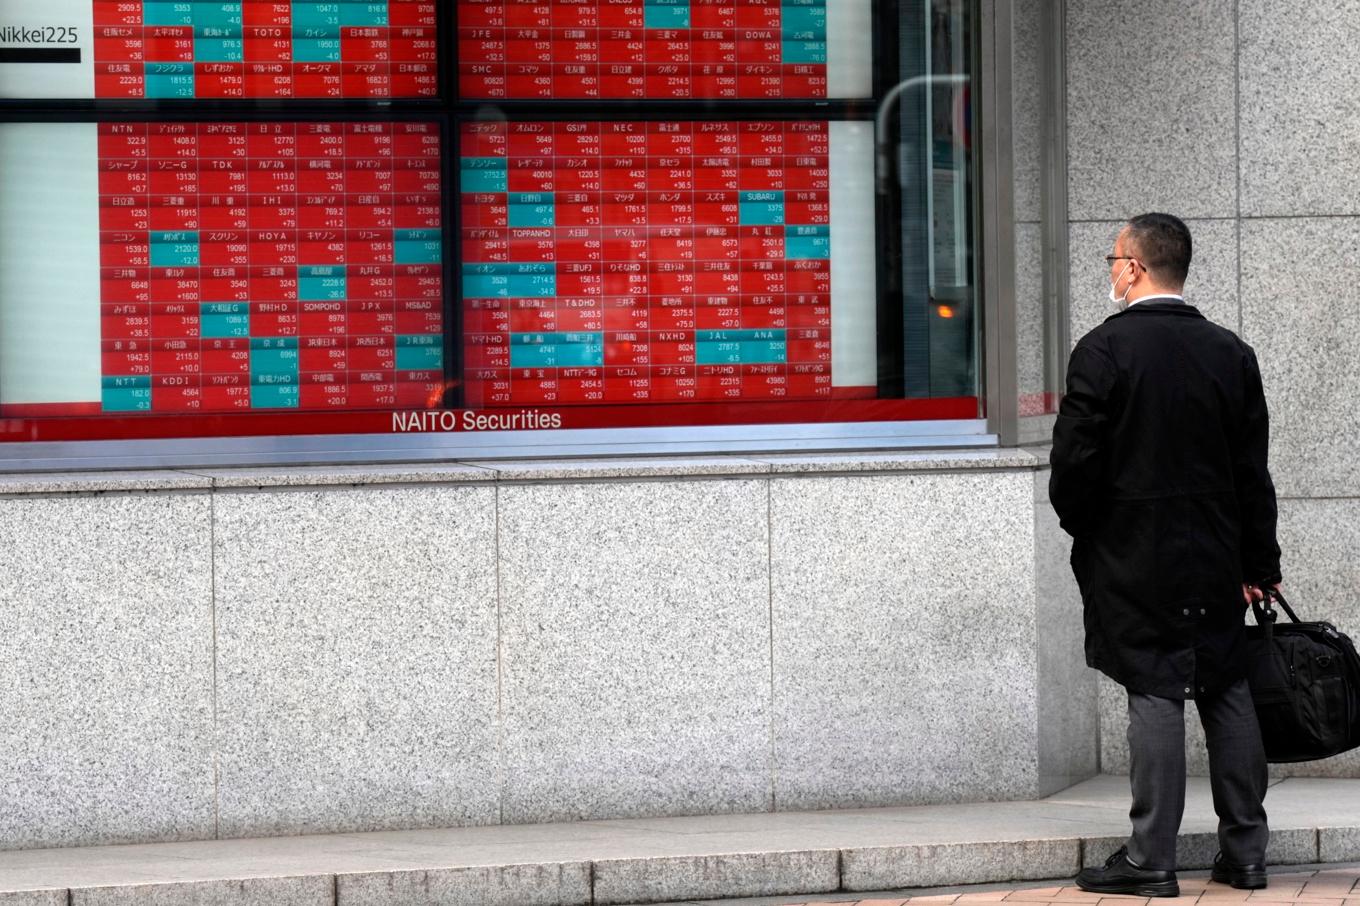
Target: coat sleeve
{"type": "Point", "coordinates": [1251, 478]}
{"type": "Point", "coordinates": [1079, 455]}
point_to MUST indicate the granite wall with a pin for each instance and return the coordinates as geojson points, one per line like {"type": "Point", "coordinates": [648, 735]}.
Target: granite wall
{"type": "Point", "coordinates": [1239, 116]}
{"type": "Point", "coordinates": [247, 652]}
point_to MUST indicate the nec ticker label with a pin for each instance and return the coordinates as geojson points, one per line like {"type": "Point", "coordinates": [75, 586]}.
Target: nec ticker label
{"type": "Point", "coordinates": [223, 49]}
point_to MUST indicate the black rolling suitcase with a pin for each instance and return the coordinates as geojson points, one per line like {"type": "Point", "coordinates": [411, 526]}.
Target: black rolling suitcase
{"type": "Point", "coordinates": [1305, 682]}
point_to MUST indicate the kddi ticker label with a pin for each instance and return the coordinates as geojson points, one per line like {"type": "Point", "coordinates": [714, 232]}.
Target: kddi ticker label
{"type": "Point", "coordinates": [471, 420]}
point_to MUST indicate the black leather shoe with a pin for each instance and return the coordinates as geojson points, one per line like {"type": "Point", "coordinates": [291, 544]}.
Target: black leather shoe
{"type": "Point", "coordinates": [1243, 877]}
{"type": "Point", "coordinates": [1121, 876]}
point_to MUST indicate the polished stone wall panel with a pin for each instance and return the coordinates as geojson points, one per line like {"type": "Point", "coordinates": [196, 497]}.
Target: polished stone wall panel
{"type": "Point", "coordinates": [1027, 110]}
{"type": "Point", "coordinates": [106, 636]}
{"type": "Point", "coordinates": [1068, 716]}
{"type": "Point", "coordinates": [903, 622]}
{"type": "Point", "coordinates": [357, 659]}
{"type": "Point", "coordinates": [635, 638]}
{"type": "Point", "coordinates": [1151, 119]}
{"type": "Point", "coordinates": [1300, 116]}
{"type": "Point", "coordinates": [1301, 311]}
{"type": "Point", "coordinates": [1030, 317]}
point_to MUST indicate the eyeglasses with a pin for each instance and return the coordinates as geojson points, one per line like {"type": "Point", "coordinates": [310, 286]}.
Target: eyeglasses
{"type": "Point", "coordinates": [1111, 259]}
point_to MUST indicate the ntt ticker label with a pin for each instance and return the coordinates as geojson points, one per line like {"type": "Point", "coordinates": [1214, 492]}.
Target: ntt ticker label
{"type": "Point", "coordinates": [471, 420]}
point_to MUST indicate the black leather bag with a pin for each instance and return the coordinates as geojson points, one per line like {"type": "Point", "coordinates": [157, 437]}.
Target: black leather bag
{"type": "Point", "coordinates": [1305, 682]}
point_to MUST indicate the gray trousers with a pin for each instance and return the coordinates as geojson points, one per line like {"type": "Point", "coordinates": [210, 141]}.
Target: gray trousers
{"type": "Point", "coordinates": [1237, 775]}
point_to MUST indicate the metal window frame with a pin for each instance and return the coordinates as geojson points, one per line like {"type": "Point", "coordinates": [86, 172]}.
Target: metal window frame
{"type": "Point", "coordinates": [996, 246]}
{"type": "Point", "coordinates": [1054, 212]}
{"type": "Point", "coordinates": [339, 449]}
{"type": "Point", "coordinates": [996, 165]}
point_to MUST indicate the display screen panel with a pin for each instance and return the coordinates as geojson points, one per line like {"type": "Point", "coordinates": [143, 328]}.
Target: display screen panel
{"type": "Point", "coordinates": [634, 262]}
{"type": "Point", "coordinates": [225, 49]}
{"type": "Point", "coordinates": [664, 49]}
{"type": "Point", "coordinates": [191, 268]}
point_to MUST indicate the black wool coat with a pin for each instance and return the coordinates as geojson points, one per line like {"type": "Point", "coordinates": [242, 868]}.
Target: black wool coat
{"type": "Point", "coordinates": [1159, 474]}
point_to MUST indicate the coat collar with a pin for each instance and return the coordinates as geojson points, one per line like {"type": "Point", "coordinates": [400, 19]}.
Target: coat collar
{"type": "Point", "coordinates": [1168, 307]}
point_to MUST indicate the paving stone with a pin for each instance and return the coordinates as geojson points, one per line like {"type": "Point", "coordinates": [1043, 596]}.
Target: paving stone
{"type": "Point", "coordinates": [549, 884]}
{"type": "Point", "coordinates": [707, 877]}
{"type": "Point", "coordinates": [316, 890]}
{"type": "Point", "coordinates": [933, 865]}
{"type": "Point", "coordinates": [51, 897]}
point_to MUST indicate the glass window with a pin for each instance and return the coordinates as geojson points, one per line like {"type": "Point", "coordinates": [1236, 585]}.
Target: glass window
{"type": "Point", "coordinates": [257, 219]}
{"type": "Point", "coordinates": [935, 268]}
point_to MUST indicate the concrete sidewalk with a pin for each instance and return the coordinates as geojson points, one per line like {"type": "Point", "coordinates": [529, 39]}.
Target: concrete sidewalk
{"type": "Point", "coordinates": [669, 859]}
{"type": "Point", "coordinates": [1295, 885]}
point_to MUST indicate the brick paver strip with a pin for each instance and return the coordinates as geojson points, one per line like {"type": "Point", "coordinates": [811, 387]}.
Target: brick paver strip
{"type": "Point", "coordinates": [994, 896]}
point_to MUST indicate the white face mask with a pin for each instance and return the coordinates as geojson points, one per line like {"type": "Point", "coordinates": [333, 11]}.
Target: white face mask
{"type": "Point", "coordinates": [1120, 302]}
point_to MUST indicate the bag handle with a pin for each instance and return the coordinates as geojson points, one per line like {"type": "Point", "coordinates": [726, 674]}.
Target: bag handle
{"type": "Point", "coordinates": [1265, 617]}
{"type": "Point", "coordinates": [1264, 611]}
{"type": "Point", "coordinates": [1279, 598]}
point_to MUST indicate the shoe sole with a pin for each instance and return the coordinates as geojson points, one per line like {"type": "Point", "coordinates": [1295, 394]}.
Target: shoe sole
{"type": "Point", "coordinates": [1152, 889]}
{"type": "Point", "coordinates": [1254, 880]}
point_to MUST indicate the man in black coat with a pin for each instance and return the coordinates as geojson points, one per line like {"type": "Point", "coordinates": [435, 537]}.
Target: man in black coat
{"type": "Point", "coordinates": [1159, 474]}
